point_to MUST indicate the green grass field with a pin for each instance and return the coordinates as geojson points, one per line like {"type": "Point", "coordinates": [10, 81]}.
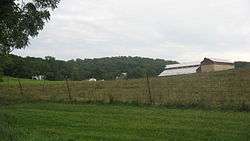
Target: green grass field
{"type": "Point", "coordinates": [213, 109]}
{"type": "Point", "coordinates": [62, 122]}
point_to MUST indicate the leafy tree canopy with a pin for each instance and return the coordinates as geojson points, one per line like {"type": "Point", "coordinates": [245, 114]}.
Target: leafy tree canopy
{"type": "Point", "coordinates": [100, 68]}
{"type": "Point", "coordinates": [20, 20]}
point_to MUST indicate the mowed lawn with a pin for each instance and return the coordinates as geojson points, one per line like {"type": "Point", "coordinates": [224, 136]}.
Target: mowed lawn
{"type": "Point", "coordinates": [65, 122]}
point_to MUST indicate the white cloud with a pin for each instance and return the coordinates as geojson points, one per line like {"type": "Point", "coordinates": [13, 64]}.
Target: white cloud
{"type": "Point", "coordinates": [169, 29]}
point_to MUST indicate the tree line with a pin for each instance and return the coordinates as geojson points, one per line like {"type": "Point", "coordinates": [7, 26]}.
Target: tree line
{"type": "Point", "coordinates": [81, 69]}
{"type": "Point", "coordinates": [19, 21]}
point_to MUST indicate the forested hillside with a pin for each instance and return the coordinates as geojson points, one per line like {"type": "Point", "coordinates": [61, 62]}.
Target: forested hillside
{"type": "Point", "coordinates": [242, 65]}
{"type": "Point", "coordinates": [99, 68]}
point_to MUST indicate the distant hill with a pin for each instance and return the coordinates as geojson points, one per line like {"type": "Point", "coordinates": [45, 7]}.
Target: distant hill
{"type": "Point", "coordinates": [100, 68]}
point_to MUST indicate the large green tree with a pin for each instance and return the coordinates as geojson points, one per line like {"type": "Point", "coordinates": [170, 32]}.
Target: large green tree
{"type": "Point", "coordinates": [20, 20]}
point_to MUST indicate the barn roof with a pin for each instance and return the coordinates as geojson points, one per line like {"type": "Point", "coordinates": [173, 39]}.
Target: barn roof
{"type": "Point", "coordinates": [187, 64]}
{"type": "Point", "coordinates": [220, 60]}
{"type": "Point", "coordinates": [183, 65]}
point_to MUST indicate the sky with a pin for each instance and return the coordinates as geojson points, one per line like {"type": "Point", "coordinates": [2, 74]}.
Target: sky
{"type": "Point", "coordinates": [181, 30]}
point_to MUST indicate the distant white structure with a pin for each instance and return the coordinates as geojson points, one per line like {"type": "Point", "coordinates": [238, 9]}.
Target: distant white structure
{"type": "Point", "coordinates": [38, 77]}
{"type": "Point", "coordinates": [177, 69]}
{"type": "Point", "coordinates": [92, 79]}
{"type": "Point", "coordinates": [207, 65]}
{"type": "Point", "coordinates": [122, 76]}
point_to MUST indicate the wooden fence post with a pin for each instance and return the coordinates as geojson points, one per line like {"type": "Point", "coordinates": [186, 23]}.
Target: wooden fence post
{"type": "Point", "coordinates": [68, 88]}
{"type": "Point", "coordinates": [8, 79]}
{"type": "Point", "coordinates": [44, 87]}
{"type": "Point", "coordinates": [149, 89]}
{"type": "Point", "coordinates": [20, 86]}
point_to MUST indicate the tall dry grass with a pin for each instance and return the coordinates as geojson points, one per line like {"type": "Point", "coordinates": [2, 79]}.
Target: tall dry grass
{"type": "Point", "coordinates": [222, 90]}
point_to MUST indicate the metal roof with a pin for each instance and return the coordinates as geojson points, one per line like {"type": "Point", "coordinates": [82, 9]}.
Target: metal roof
{"type": "Point", "coordinates": [179, 71]}
{"type": "Point", "coordinates": [220, 60]}
{"type": "Point", "coordinates": [182, 65]}
{"type": "Point", "coordinates": [197, 63]}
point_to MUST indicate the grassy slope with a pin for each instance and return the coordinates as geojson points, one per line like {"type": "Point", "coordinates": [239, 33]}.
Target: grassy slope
{"type": "Point", "coordinates": [59, 122]}
{"type": "Point", "coordinates": [222, 90]}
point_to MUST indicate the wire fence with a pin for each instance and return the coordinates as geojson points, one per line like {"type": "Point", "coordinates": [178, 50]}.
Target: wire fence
{"type": "Point", "coordinates": [204, 92]}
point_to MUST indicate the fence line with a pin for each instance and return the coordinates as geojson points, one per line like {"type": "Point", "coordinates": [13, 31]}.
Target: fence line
{"type": "Point", "coordinates": [161, 91]}
{"type": "Point", "coordinates": [43, 88]}
{"type": "Point", "coordinates": [149, 89]}
{"type": "Point", "coordinates": [69, 91]}
{"type": "Point", "coordinates": [20, 87]}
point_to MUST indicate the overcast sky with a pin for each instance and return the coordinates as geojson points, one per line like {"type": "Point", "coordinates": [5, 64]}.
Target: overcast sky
{"type": "Point", "coordinates": [182, 30]}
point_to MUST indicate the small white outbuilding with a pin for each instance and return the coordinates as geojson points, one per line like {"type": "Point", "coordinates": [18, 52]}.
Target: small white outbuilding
{"type": "Point", "coordinates": [38, 77]}
{"type": "Point", "coordinates": [92, 80]}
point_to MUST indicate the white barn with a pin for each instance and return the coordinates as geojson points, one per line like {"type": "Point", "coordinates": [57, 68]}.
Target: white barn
{"type": "Point", "coordinates": [178, 69]}
{"type": "Point", "coordinates": [92, 80]}
{"type": "Point", "coordinates": [38, 77]}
